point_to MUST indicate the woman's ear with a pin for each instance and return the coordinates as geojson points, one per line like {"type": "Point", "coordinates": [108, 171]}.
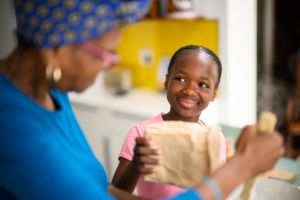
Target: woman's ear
{"type": "Point", "coordinates": [48, 55]}
{"type": "Point", "coordinates": [57, 55]}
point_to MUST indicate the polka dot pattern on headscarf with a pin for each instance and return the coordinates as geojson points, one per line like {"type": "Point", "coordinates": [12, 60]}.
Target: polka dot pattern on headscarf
{"type": "Point", "coordinates": [52, 23]}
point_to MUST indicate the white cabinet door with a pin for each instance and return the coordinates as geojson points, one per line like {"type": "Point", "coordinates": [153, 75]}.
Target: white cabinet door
{"type": "Point", "coordinates": [89, 118]}
{"type": "Point", "coordinates": [119, 129]}
{"type": "Point", "coordinates": [105, 130]}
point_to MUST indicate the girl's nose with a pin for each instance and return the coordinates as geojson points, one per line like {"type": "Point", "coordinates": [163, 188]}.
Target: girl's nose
{"type": "Point", "coordinates": [190, 89]}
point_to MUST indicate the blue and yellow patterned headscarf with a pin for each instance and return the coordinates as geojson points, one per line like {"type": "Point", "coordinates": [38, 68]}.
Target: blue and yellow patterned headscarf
{"type": "Point", "coordinates": [52, 23]}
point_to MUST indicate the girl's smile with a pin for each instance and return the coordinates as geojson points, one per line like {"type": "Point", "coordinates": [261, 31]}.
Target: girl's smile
{"type": "Point", "coordinates": [187, 102]}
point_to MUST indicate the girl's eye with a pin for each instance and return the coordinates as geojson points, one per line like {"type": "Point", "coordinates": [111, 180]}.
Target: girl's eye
{"type": "Point", "coordinates": [203, 85]}
{"type": "Point", "coordinates": [180, 79]}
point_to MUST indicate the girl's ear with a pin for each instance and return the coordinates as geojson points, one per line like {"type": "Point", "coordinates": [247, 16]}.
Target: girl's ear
{"type": "Point", "coordinates": [166, 82]}
{"type": "Point", "coordinates": [216, 93]}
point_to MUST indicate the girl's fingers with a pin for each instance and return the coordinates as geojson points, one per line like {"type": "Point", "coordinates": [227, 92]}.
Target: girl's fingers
{"type": "Point", "coordinates": [146, 169]}
{"type": "Point", "coordinates": [145, 142]}
{"type": "Point", "coordinates": [147, 155]}
{"type": "Point", "coordinates": [142, 141]}
{"type": "Point", "coordinates": [147, 151]}
{"type": "Point", "coordinates": [146, 160]}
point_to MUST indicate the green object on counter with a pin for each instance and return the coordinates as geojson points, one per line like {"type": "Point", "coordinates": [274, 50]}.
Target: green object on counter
{"type": "Point", "coordinates": [291, 165]}
{"type": "Point", "coordinates": [231, 132]}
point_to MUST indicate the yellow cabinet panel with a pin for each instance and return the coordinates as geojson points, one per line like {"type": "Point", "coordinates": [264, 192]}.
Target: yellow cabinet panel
{"type": "Point", "coordinates": [144, 44]}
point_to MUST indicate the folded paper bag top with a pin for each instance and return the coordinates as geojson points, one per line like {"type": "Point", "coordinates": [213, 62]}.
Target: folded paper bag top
{"type": "Point", "coordinates": [189, 152]}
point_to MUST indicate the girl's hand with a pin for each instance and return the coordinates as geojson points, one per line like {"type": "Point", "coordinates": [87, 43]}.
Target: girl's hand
{"type": "Point", "coordinates": [146, 156]}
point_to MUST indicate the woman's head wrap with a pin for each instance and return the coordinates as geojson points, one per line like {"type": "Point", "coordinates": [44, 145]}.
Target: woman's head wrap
{"type": "Point", "coordinates": [52, 23]}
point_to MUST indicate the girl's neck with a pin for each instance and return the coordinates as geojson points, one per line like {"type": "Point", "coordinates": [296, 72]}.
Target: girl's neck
{"type": "Point", "coordinates": [176, 117]}
{"type": "Point", "coordinates": [25, 69]}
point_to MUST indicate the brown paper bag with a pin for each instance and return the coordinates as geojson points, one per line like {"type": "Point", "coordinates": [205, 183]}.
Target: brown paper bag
{"type": "Point", "coordinates": [189, 152]}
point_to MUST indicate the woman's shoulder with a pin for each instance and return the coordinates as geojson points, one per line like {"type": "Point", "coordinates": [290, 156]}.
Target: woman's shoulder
{"type": "Point", "coordinates": [19, 134]}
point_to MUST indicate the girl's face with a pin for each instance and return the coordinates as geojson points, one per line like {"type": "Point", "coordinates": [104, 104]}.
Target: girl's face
{"type": "Point", "coordinates": [81, 64]}
{"type": "Point", "coordinates": [191, 85]}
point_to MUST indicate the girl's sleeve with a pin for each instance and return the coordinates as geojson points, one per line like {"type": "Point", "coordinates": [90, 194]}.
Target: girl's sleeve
{"type": "Point", "coordinates": [129, 143]}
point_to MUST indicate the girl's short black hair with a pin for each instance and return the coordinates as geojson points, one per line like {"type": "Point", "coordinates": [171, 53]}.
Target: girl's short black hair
{"type": "Point", "coordinates": [197, 48]}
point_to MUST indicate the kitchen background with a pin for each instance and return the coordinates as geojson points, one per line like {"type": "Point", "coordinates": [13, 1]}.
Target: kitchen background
{"type": "Point", "coordinates": [240, 32]}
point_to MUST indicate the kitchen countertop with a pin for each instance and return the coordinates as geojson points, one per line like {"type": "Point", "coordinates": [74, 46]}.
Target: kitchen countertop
{"type": "Point", "coordinates": [140, 102]}
{"type": "Point", "coordinates": [290, 165]}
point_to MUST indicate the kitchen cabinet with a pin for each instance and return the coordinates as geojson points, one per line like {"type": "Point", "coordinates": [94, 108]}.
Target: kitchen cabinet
{"type": "Point", "coordinates": [146, 45]}
{"type": "Point", "coordinates": [106, 119]}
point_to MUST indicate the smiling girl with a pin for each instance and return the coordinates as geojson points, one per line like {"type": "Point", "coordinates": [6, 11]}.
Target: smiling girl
{"type": "Point", "coordinates": [192, 80]}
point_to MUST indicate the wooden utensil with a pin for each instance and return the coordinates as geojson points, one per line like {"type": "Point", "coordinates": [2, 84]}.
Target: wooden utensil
{"type": "Point", "coordinates": [266, 124]}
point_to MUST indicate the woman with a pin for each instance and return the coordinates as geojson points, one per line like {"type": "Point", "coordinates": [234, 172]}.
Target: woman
{"type": "Point", "coordinates": [62, 46]}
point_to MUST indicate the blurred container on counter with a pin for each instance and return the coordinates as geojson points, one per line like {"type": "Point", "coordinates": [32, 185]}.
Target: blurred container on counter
{"type": "Point", "coordinates": [184, 9]}
{"type": "Point", "coordinates": [118, 80]}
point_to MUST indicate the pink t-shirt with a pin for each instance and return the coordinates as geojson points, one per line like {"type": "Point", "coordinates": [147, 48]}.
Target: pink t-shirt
{"type": "Point", "coordinates": [151, 189]}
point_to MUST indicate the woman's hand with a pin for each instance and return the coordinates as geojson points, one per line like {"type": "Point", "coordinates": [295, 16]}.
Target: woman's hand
{"type": "Point", "coordinates": [146, 156]}
{"type": "Point", "coordinates": [255, 153]}
{"type": "Point", "coordinates": [260, 151]}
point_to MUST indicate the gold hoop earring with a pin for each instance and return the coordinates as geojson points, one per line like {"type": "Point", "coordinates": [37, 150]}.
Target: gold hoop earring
{"type": "Point", "coordinates": [53, 73]}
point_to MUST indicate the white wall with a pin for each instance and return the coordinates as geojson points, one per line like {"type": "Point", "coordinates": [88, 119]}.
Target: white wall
{"type": "Point", "coordinates": [240, 88]}
{"type": "Point", "coordinates": [7, 26]}
{"type": "Point", "coordinates": [237, 50]}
